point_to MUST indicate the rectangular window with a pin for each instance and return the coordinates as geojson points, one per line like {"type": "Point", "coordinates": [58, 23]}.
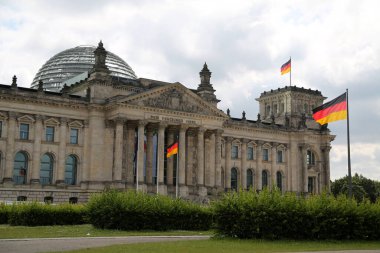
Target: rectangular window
{"type": "Point", "coordinates": [24, 131]}
{"type": "Point", "coordinates": [1, 128]}
{"type": "Point", "coordinates": [279, 156]}
{"type": "Point", "coordinates": [234, 152]}
{"type": "Point", "coordinates": [310, 185]}
{"type": "Point", "coordinates": [73, 136]}
{"type": "Point", "coordinates": [265, 154]}
{"type": "Point", "coordinates": [50, 134]}
{"type": "Point", "coordinates": [250, 153]}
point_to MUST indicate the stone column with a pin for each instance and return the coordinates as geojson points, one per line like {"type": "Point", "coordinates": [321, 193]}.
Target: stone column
{"type": "Point", "coordinates": [218, 158]}
{"type": "Point", "coordinates": [170, 160]}
{"type": "Point", "coordinates": [228, 162]}
{"type": "Point", "coordinates": [304, 174]}
{"type": "Point", "coordinates": [130, 153]}
{"type": "Point", "coordinates": [149, 154]}
{"type": "Point", "coordinates": [162, 188]}
{"type": "Point", "coordinates": [86, 156]}
{"type": "Point", "coordinates": [118, 153]}
{"type": "Point", "coordinates": [211, 154]}
{"type": "Point", "coordinates": [190, 158]}
{"type": "Point", "coordinates": [140, 156]}
{"type": "Point", "coordinates": [62, 152]}
{"type": "Point", "coordinates": [259, 158]}
{"type": "Point", "coordinates": [202, 191]}
{"type": "Point", "coordinates": [9, 152]}
{"type": "Point", "coordinates": [244, 163]}
{"type": "Point", "coordinates": [183, 191]}
{"type": "Point", "coordinates": [38, 131]}
{"type": "Point", "coordinates": [273, 167]}
{"type": "Point", "coordinates": [326, 170]}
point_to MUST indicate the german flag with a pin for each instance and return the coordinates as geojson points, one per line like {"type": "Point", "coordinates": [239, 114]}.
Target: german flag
{"type": "Point", "coordinates": [172, 150]}
{"type": "Point", "coordinates": [331, 111]}
{"type": "Point", "coordinates": [286, 67]}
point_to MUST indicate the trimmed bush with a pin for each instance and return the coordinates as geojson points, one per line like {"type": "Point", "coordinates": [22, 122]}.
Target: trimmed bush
{"type": "Point", "coordinates": [37, 214]}
{"type": "Point", "coordinates": [4, 213]}
{"type": "Point", "coordinates": [139, 211]}
{"type": "Point", "coordinates": [272, 215]}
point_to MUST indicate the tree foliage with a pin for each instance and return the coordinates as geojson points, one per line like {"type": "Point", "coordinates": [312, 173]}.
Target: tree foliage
{"type": "Point", "coordinates": [362, 188]}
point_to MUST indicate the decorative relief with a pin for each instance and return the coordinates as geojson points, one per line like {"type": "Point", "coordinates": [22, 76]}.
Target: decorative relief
{"type": "Point", "coordinates": [175, 100]}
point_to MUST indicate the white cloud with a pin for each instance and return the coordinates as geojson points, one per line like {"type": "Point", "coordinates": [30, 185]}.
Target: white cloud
{"type": "Point", "coordinates": [334, 45]}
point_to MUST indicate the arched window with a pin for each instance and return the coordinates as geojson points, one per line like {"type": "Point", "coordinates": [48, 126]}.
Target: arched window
{"type": "Point", "coordinates": [249, 178]}
{"type": "Point", "coordinates": [20, 168]}
{"type": "Point", "coordinates": [279, 180]}
{"type": "Point", "coordinates": [71, 170]}
{"type": "Point", "coordinates": [264, 178]}
{"type": "Point", "coordinates": [46, 169]}
{"type": "Point", "coordinates": [234, 179]}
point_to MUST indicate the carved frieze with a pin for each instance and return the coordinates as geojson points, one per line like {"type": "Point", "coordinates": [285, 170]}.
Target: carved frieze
{"type": "Point", "coordinates": [174, 99]}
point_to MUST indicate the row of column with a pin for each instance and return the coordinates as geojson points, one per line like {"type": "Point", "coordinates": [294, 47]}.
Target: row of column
{"type": "Point", "coordinates": [184, 167]}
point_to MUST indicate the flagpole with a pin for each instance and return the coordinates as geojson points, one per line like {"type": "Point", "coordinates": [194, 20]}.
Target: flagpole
{"type": "Point", "coordinates": [158, 166]}
{"type": "Point", "coordinates": [137, 167]}
{"type": "Point", "coordinates": [176, 177]}
{"type": "Point", "coordinates": [290, 76]}
{"type": "Point", "coordinates": [348, 150]}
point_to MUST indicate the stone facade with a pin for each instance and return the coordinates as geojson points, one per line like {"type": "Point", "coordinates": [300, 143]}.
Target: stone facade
{"type": "Point", "coordinates": [105, 132]}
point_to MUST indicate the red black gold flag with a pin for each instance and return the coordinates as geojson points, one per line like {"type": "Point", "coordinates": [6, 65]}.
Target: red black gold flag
{"type": "Point", "coordinates": [172, 150]}
{"type": "Point", "coordinates": [285, 68]}
{"type": "Point", "coordinates": [331, 111]}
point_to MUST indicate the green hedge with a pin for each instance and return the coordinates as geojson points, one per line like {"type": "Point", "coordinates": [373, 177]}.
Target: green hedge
{"type": "Point", "coordinates": [4, 213]}
{"type": "Point", "coordinates": [272, 215]}
{"type": "Point", "coordinates": [139, 211]}
{"type": "Point", "coordinates": [37, 214]}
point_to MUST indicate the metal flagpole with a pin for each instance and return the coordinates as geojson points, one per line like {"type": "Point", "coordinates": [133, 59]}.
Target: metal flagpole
{"type": "Point", "coordinates": [158, 166]}
{"type": "Point", "coordinates": [348, 150]}
{"type": "Point", "coordinates": [137, 165]}
{"type": "Point", "coordinates": [290, 71]}
{"type": "Point", "coordinates": [176, 176]}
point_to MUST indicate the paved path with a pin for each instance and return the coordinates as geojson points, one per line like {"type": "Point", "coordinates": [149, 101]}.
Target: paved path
{"type": "Point", "coordinates": [60, 244]}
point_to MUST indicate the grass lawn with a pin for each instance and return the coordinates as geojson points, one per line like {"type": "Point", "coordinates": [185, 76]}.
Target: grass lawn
{"type": "Point", "coordinates": [233, 246]}
{"type": "Point", "coordinates": [8, 232]}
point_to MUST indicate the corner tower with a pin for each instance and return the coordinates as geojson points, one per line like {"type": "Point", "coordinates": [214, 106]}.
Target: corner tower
{"type": "Point", "coordinates": [205, 89]}
{"type": "Point", "coordinates": [291, 106]}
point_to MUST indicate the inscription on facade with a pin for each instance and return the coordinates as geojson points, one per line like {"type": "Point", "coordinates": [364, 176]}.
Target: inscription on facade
{"type": "Point", "coordinates": [173, 120]}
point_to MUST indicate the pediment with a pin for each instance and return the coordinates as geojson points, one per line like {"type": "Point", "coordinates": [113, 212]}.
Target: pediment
{"type": "Point", "coordinates": [52, 121]}
{"type": "Point", "coordinates": [76, 124]}
{"type": "Point", "coordinates": [26, 118]}
{"type": "Point", "coordinates": [174, 97]}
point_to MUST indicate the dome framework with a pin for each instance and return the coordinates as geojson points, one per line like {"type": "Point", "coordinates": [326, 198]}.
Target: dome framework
{"type": "Point", "coordinates": [74, 64]}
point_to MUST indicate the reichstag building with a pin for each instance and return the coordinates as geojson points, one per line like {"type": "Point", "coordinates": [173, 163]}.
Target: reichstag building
{"type": "Point", "coordinates": [88, 123]}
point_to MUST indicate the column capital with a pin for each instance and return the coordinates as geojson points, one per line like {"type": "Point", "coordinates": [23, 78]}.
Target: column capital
{"type": "Point", "coordinates": [218, 132]}
{"type": "Point", "coordinates": [229, 139]}
{"type": "Point", "coordinates": [183, 127]}
{"type": "Point", "coordinates": [201, 130]}
{"type": "Point", "coordinates": [86, 123]}
{"type": "Point", "coordinates": [245, 140]}
{"type": "Point", "coordinates": [119, 120]}
{"type": "Point", "coordinates": [162, 125]}
{"type": "Point", "coordinates": [142, 123]}
{"type": "Point", "coordinates": [39, 117]}
{"type": "Point", "coordinates": [12, 115]}
{"type": "Point", "coordinates": [64, 120]}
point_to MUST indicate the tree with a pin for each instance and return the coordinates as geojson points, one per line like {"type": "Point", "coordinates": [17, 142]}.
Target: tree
{"type": "Point", "coordinates": [362, 187]}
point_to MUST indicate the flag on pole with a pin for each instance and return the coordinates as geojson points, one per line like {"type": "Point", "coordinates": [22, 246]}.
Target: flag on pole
{"type": "Point", "coordinates": [331, 111]}
{"type": "Point", "coordinates": [172, 150]}
{"type": "Point", "coordinates": [286, 67]}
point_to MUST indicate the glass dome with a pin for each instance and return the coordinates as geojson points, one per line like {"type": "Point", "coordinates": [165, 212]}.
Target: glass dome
{"type": "Point", "coordinates": [73, 65]}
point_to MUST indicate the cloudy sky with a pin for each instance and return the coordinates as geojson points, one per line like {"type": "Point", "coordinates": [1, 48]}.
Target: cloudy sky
{"type": "Point", "coordinates": [334, 45]}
